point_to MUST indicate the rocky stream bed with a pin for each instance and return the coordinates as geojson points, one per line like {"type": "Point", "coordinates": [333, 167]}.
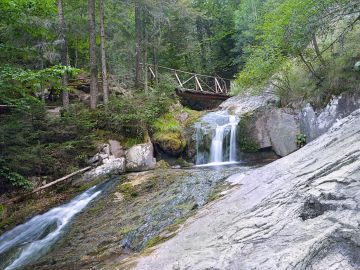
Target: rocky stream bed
{"type": "Point", "coordinates": [140, 211]}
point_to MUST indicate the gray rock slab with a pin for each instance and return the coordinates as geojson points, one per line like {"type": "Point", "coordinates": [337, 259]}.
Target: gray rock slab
{"type": "Point", "coordinates": [299, 212]}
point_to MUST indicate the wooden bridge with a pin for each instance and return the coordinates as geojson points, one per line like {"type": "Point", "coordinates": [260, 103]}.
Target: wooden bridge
{"type": "Point", "coordinates": [205, 91]}
{"type": "Point", "coordinates": [196, 91]}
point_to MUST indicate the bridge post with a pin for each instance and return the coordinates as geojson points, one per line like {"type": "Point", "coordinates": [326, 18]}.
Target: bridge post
{"type": "Point", "coordinates": [178, 79]}
{"type": "Point", "coordinates": [198, 85]}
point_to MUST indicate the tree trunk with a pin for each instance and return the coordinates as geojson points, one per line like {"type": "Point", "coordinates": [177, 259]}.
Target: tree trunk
{"type": "Point", "coordinates": [103, 54]}
{"type": "Point", "coordinates": [63, 53]}
{"type": "Point", "coordinates": [310, 68]}
{"type": "Point", "coordinates": [317, 51]}
{"type": "Point", "coordinates": [92, 43]}
{"type": "Point", "coordinates": [137, 42]}
{"type": "Point", "coordinates": [146, 43]}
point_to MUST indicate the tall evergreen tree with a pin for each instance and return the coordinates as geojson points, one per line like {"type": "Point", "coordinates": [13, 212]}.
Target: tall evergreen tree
{"type": "Point", "coordinates": [92, 47]}
{"type": "Point", "coordinates": [103, 53]}
{"type": "Point", "coordinates": [63, 52]}
{"type": "Point", "coordinates": [138, 40]}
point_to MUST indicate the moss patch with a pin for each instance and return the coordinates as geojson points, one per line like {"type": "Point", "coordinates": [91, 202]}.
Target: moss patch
{"type": "Point", "coordinates": [128, 190]}
{"type": "Point", "coordinates": [193, 116]}
{"type": "Point", "coordinates": [245, 139]}
{"type": "Point", "coordinates": [168, 134]}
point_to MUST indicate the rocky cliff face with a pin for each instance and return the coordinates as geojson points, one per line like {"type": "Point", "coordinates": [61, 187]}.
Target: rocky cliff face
{"type": "Point", "coordinates": [270, 126]}
{"type": "Point", "coordinates": [315, 123]}
{"type": "Point", "coordinates": [299, 212]}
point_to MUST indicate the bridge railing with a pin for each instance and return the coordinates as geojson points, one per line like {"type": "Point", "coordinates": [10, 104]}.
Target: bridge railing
{"type": "Point", "coordinates": [192, 81]}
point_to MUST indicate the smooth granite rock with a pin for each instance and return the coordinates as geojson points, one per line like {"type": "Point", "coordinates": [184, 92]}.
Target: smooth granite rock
{"type": "Point", "coordinates": [140, 157]}
{"type": "Point", "coordinates": [299, 212]}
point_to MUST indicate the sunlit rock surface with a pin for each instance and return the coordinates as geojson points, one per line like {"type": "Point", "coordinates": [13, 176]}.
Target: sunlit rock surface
{"type": "Point", "coordinates": [140, 157]}
{"type": "Point", "coordinates": [300, 212]}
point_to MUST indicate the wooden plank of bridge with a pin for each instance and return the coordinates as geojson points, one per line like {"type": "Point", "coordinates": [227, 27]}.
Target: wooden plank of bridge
{"type": "Point", "coordinates": [179, 81]}
{"type": "Point", "coordinates": [198, 83]}
{"type": "Point", "coordinates": [218, 85]}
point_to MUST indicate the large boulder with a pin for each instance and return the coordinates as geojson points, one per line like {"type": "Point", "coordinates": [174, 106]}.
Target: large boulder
{"type": "Point", "coordinates": [111, 166]}
{"type": "Point", "coordinates": [140, 157]}
{"type": "Point", "coordinates": [269, 127]}
{"type": "Point", "coordinates": [116, 149]}
{"type": "Point", "coordinates": [262, 123]}
{"type": "Point", "coordinates": [249, 102]}
{"type": "Point", "coordinates": [299, 212]}
{"type": "Point", "coordinates": [282, 126]}
{"type": "Point", "coordinates": [170, 143]}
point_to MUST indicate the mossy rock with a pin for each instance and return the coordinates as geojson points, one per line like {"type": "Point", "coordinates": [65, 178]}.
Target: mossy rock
{"type": "Point", "coordinates": [183, 163]}
{"type": "Point", "coordinates": [245, 138]}
{"type": "Point", "coordinates": [162, 164]}
{"type": "Point", "coordinates": [171, 143]}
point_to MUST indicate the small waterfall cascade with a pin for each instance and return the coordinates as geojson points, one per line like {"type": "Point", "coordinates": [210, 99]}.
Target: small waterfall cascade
{"type": "Point", "coordinates": [216, 150]}
{"type": "Point", "coordinates": [28, 242]}
{"type": "Point", "coordinates": [233, 124]}
{"type": "Point", "coordinates": [223, 130]}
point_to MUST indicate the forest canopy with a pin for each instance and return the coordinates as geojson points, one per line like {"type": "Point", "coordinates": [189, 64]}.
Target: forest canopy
{"type": "Point", "coordinates": [308, 49]}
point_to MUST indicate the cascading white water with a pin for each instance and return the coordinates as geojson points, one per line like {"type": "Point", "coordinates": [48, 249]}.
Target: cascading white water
{"type": "Point", "coordinates": [233, 123]}
{"type": "Point", "coordinates": [32, 239]}
{"type": "Point", "coordinates": [217, 143]}
{"type": "Point", "coordinates": [216, 150]}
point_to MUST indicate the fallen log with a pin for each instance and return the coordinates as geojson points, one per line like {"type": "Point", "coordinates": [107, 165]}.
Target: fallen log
{"type": "Point", "coordinates": [46, 185]}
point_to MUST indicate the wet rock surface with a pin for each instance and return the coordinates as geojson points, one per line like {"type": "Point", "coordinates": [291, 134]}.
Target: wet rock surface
{"type": "Point", "coordinates": [144, 209]}
{"type": "Point", "coordinates": [299, 212]}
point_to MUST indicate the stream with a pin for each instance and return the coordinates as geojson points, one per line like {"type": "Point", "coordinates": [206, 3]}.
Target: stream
{"type": "Point", "coordinates": [26, 243]}
{"type": "Point", "coordinates": [140, 210]}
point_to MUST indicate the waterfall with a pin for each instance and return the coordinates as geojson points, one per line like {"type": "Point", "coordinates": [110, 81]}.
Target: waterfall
{"type": "Point", "coordinates": [216, 150]}
{"type": "Point", "coordinates": [223, 141]}
{"type": "Point", "coordinates": [28, 242]}
{"type": "Point", "coordinates": [233, 123]}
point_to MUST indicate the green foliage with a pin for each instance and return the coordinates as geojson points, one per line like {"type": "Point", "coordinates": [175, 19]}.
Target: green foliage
{"type": "Point", "coordinates": [133, 115]}
{"type": "Point", "coordinates": [245, 139]}
{"type": "Point", "coordinates": [284, 29]}
{"type": "Point", "coordinates": [18, 86]}
{"type": "Point", "coordinates": [167, 133]}
{"type": "Point", "coordinates": [2, 209]}
{"type": "Point", "coordinates": [166, 123]}
{"type": "Point", "coordinates": [295, 84]}
{"type": "Point", "coordinates": [128, 190]}
{"type": "Point", "coordinates": [300, 140]}
{"type": "Point", "coordinates": [193, 116]}
{"type": "Point", "coordinates": [32, 144]}
{"type": "Point", "coordinates": [14, 179]}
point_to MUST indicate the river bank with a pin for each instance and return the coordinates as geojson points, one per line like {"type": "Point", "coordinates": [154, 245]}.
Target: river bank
{"type": "Point", "coordinates": [140, 211]}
